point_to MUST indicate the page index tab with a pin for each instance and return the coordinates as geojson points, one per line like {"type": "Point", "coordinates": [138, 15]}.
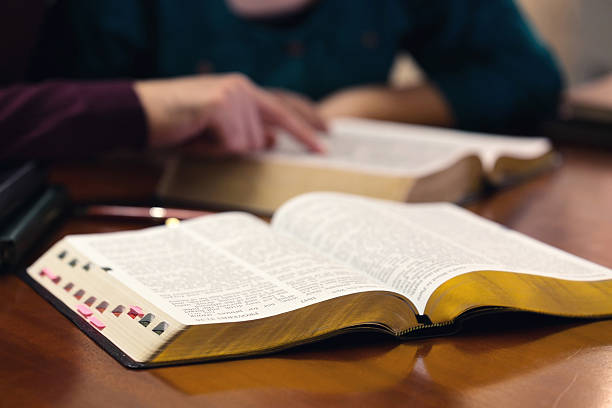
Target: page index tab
{"type": "Point", "coordinates": [84, 310]}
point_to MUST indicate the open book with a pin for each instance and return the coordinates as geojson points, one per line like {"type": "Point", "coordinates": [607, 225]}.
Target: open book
{"type": "Point", "coordinates": [372, 158]}
{"type": "Point", "coordinates": [229, 284]}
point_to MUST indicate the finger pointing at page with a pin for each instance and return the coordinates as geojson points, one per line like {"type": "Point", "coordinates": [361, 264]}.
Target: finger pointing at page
{"type": "Point", "coordinates": [275, 113]}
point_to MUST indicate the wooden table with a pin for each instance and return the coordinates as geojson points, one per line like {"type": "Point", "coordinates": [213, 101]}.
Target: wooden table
{"type": "Point", "coordinates": [46, 361]}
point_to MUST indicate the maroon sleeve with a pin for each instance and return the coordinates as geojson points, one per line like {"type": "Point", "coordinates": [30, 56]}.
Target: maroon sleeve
{"type": "Point", "coordinates": [69, 119]}
{"type": "Point", "coordinates": [57, 119]}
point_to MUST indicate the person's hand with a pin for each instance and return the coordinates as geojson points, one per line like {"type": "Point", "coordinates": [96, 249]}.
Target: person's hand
{"type": "Point", "coordinates": [422, 104]}
{"type": "Point", "coordinates": [302, 106]}
{"type": "Point", "coordinates": [238, 115]}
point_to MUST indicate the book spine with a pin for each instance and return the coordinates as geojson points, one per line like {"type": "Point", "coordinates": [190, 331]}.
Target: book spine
{"type": "Point", "coordinates": [19, 187]}
{"type": "Point", "coordinates": [27, 227]}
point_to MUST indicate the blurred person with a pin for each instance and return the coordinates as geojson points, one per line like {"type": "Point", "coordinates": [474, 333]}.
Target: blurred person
{"type": "Point", "coordinates": [83, 77]}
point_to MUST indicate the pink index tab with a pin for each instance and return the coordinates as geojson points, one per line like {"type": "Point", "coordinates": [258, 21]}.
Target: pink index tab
{"type": "Point", "coordinates": [97, 323]}
{"type": "Point", "coordinates": [135, 311]}
{"type": "Point", "coordinates": [46, 272]}
{"type": "Point", "coordinates": [84, 310]}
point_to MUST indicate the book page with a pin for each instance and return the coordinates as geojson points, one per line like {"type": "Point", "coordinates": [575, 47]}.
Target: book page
{"type": "Point", "coordinates": [373, 149]}
{"type": "Point", "coordinates": [221, 268]}
{"type": "Point", "coordinates": [403, 149]}
{"type": "Point", "coordinates": [416, 247]}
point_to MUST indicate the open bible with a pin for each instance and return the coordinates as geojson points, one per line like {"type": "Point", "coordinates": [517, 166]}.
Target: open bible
{"type": "Point", "coordinates": [230, 284]}
{"type": "Point", "coordinates": [372, 158]}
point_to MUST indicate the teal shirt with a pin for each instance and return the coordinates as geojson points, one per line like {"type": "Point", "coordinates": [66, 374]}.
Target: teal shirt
{"type": "Point", "coordinates": [480, 53]}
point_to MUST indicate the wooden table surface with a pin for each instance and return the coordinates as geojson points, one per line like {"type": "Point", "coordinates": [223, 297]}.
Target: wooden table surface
{"type": "Point", "coordinates": [46, 361]}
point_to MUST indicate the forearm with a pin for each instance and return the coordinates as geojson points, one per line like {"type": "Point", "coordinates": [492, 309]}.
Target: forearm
{"type": "Point", "coordinates": [422, 104]}
{"type": "Point", "coordinates": [69, 119]}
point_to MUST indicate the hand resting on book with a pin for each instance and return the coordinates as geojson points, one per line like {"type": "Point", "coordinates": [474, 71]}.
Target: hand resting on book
{"type": "Point", "coordinates": [240, 116]}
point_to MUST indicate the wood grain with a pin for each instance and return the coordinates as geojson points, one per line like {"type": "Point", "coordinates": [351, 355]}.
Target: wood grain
{"type": "Point", "coordinates": [499, 361]}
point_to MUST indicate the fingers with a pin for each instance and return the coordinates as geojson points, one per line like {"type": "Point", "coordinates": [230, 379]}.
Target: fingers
{"type": "Point", "coordinates": [206, 145]}
{"type": "Point", "coordinates": [254, 126]}
{"type": "Point", "coordinates": [276, 114]}
{"type": "Point", "coordinates": [229, 127]}
{"type": "Point", "coordinates": [236, 111]}
{"type": "Point", "coordinates": [304, 108]}
{"type": "Point", "coordinates": [270, 137]}
{"type": "Point", "coordinates": [238, 126]}
{"type": "Point", "coordinates": [238, 130]}
{"type": "Point", "coordinates": [241, 115]}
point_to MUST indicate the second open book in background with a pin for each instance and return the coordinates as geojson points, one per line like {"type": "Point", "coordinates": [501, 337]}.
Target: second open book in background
{"type": "Point", "coordinates": [372, 158]}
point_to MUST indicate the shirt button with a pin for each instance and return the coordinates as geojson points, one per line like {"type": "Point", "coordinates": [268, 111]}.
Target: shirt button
{"type": "Point", "coordinates": [370, 39]}
{"type": "Point", "coordinates": [205, 67]}
{"type": "Point", "coordinates": [295, 49]}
